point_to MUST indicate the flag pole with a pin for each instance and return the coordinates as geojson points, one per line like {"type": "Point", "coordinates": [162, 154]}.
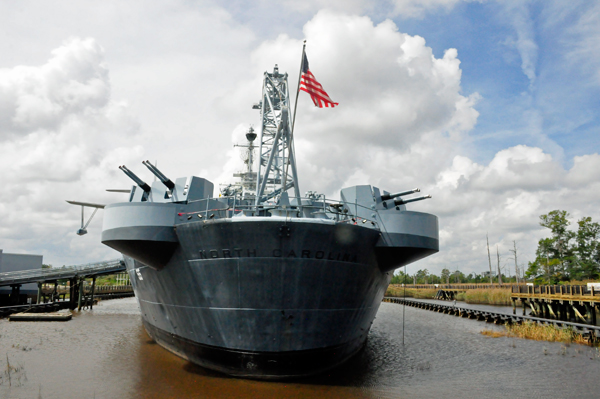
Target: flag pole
{"type": "Point", "coordinates": [291, 149]}
{"type": "Point", "coordinates": [298, 89]}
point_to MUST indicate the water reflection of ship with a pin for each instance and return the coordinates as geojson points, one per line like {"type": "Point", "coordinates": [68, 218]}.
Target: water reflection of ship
{"type": "Point", "coordinates": [256, 282]}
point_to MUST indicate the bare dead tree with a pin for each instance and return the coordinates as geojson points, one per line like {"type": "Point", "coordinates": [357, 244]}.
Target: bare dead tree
{"type": "Point", "coordinates": [514, 252]}
{"type": "Point", "coordinates": [499, 271]}
{"type": "Point", "coordinates": [489, 258]}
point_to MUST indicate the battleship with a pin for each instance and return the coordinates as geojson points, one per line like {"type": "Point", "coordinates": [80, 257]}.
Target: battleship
{"type": "Point", "coordinates": [259, 281]}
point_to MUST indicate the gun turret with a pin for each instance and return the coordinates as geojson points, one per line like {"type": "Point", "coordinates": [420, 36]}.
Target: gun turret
{"type": "Point", "coordinates": [164, 179]}
{"type": "Point", "coordinates": [136, 179]}
{"type": "Point", "coordinates": [386, 197]}
{"type": "Point", "coordinates": [401, 201]}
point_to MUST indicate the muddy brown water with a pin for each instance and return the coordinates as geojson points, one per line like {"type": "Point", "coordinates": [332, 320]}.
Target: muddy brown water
{"type": "Point", "coordinates": [105, 353]}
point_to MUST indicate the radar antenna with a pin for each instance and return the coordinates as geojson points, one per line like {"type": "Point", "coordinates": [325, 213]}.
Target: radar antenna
{"type": "Point", "coordinates": [276, 152]}
{"type": "Point", "coordinates": [247, 187]}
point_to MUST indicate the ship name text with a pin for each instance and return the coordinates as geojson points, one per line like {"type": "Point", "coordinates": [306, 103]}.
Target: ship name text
{"type": "Point", "coordinates": [276, 253]}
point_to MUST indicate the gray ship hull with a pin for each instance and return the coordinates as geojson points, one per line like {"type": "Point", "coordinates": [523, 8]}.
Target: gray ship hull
{"type": "Point", "coordinates": [256, 282]}
{"type": "Point", "coordinates": [264, 299]}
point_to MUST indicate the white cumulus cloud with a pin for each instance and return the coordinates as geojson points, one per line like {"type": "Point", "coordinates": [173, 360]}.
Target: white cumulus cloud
{"type": "Point", "coordinates": [505, 199]}
{"type": "Point", "coordinates": [393, 94]}
{"type": "Point", "coordinates": [58, 130]}
{"type": "Point", "coordinates": [191, 72]}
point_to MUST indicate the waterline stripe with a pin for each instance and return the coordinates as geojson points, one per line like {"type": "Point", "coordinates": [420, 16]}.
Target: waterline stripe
{"type": "Point", "coordinates": [278, 310]}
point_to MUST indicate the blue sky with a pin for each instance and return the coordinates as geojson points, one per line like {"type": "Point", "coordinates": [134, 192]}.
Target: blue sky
{"type": "Point", "coordinates": [556, 110]}
{"type": "Point", "coordinates": [564, 93]}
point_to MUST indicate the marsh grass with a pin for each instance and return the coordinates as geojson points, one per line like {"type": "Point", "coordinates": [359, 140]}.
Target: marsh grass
{"type": "Point", "coordinates": [494, 333]}
{"type": "Point", "coordinates": [538, 332]}
{"type": "Point", "coordinates": [399, 292]}
{"type": "Point", "coordinates": [494, 296]}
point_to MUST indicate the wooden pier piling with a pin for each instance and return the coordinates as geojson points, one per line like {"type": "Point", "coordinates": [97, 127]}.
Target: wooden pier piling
{"type": "Point", "coordinates": [93, 289]}
{"type": "Point", "coordinates": [590, 332]}
{"type": "Point", "coordinates": [576, 303]}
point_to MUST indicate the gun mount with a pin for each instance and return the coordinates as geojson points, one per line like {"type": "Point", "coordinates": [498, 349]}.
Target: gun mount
{"type": "Point", "coordinates": [164, 179]}
{"type": "Point", "coordinates": [386, 197]}
{"type": "Point", "coordinates": [401, 201]}
{"type": "Point", "coordinates": [136, 179]}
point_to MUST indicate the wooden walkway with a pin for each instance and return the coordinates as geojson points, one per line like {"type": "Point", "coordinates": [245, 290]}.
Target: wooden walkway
{"type": "Point", "coordinates": [459, 287]}
{"type": "Point", "coordinates": [590, 332]}
{"type": "Point", "coordinates": [53, 297]}
{"type": "Point", "coordinates": [40, 317]}
{"type": "Point", "coordinates": [577, 303]}
{"type": "Point", "coordinates": [558, 302]}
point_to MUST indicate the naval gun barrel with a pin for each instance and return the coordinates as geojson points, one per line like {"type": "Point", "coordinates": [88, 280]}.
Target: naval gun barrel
{"type": "Point", "coordinates": [386, 197]}
{"type": "Point", "coordinates": [164, 179]}
{"type": "Point", "coordinates": [401, 201]}
{"type": "Point", "coordinates": [136, 179]}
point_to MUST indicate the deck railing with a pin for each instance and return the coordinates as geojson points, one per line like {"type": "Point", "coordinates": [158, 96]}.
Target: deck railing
{"type": "Point", "coordinates": [522, 288]}
{"type": "Point", "coordinates": [335, 209]}
{"type": "Point", "coordinates": [460, 286]}
{"type": "Point", "coordinates": [560, 290]}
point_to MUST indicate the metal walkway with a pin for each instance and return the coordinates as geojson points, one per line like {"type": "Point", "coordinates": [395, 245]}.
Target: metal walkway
{"type": "Point", "coordinates": [591, 332]}
{"type": "Point", "coordinates": [66, 272]}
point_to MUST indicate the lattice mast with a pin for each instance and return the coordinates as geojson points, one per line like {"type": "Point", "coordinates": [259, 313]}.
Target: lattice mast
{"type": "Point", "coordinates": [277, 165]}
{"type": "Point", "coordinates": [247, 185]}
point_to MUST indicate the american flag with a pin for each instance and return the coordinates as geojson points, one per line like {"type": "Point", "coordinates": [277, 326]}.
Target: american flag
{"type": "Point", "coordinates": [309, 84]}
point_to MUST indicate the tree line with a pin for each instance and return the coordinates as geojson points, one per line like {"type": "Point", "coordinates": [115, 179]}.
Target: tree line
{"type": "Point", "coordinates": [567, 254]}
{"type": "Point", "coordinates": [447, 276]}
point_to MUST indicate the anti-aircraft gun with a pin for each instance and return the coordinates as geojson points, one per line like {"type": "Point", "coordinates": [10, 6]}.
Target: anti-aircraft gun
{"type": "Point", "coordinates": [406, 235]}
{"type": "Point", "coordinates": [180, 190]}
{"type": "Point", "coordinates": [400, 201]}
{"type": "Point", "coordinates": [164, 179]}
{"type": "Point", "coordinates": [142, 184]}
